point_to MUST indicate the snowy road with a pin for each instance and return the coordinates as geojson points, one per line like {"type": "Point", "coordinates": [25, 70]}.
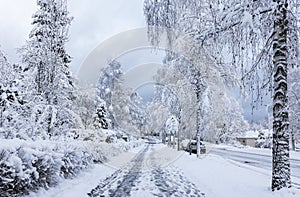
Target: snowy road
{"type": "Point", "coordinates": [255, 159]}
{"type": "Point", "coordinates": [147, 174]}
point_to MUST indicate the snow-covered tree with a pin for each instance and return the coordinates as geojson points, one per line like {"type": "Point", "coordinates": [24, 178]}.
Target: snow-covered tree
{"type": "Point", "coordinates": [171, 130]}
{"type": "Point", "coordinates": [122, 104]}
{"type": "Point", "coordinates": [100, 121]}
{"type": "Point", "coordinates": [109, 80]}
{"type": "Point", "coordinates": [216, 105]}
{"type": "Point", "coordinates": [85, 105]}
{"type": "Point", "coordinates": [294, 105]}
{"type": "Point", "coordinates": [4, 73]}
{"type": "Point", "coordinates": [206, 115]}
{"type": "Point", "coordinates": [263, 140]}
{"type": "Point", "coordinates": [172, 125]}
{"type": "Point", "coordinates": [172, 93]}
{"type": "Point", "coordinates": [11, 102]}
{"type": "Point", "coordinates": [281, 165]}
{"type": "Point", "coordinates": [137, 111]}
{"type": "Point", "coordinates": [168, 98]}
{"type": "Point", "coordinates": [252, 35]}
{"type": "Point", "coordinates": [158, 115]}
{"type": "Point", "coordinates": [123, 110]}
{"type": "Point", "coordinates": [234, 123]}
{"type": "Point", "coordinates": [46, 63]}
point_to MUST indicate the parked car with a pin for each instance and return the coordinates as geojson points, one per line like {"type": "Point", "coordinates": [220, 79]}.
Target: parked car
{"type": "Point", "coordinates": [192, 147]}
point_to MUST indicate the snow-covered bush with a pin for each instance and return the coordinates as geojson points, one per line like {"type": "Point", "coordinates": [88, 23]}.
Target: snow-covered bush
{"type": "Point", "coordinates": [125, 146]}
{"type": "Point", "coordinates": [101, 151]}
{"type": "Point", "coordinates": [111, 139]}
{"type": "Point", "coordinates": [96, 135]}
{"type": "Point", "coordinates": [27, 166]}
{"type": "Point", "coordinates": [106, 143]}
{"type": "Point", "coordinates": [264, 139]}
{"type": "Point", "coordinates": [74, 160]}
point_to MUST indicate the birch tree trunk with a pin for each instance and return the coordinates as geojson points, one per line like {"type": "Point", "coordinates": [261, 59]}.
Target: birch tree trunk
{"type": "Point", "coordinates": [281, 164]}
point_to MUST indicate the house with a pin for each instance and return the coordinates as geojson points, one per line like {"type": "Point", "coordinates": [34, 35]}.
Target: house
{"type": "Point", "coordinates": [247, 141]}
{"type": "Point", "coordinates": [250, 138]}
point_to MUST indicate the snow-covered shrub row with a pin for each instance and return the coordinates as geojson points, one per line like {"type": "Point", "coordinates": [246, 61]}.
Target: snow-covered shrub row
{"type": "Point", "coordinates": [125, 146]}
{"type": "Point", "coordinates": [102, 151]}
{"type": "Point", "coordinates": [106, 143]}
{"type": "Point", "coordinates": [27, 166]}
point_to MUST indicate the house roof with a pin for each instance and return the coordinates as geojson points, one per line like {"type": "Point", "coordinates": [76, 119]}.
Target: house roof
{"type": "Point", "coordinates": [251, 134]}
{"type": "Point", "coordinates": [255, 133]}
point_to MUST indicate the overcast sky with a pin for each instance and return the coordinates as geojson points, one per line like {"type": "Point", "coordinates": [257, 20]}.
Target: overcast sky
{"type": "Point", "coordinates": [94, 21]}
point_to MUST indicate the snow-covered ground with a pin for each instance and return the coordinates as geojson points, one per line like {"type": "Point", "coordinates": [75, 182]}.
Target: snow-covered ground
{"type": "Point", "coordinates": [258, 157]}
{"type": "Point", "coordinates": [247, 149]}
{"type": "Point", "coordinates": [217, 176]}
{"type": "Point", "coordinates": [157, 170]}
{"type": "Point", "coordinates": [79, 186]}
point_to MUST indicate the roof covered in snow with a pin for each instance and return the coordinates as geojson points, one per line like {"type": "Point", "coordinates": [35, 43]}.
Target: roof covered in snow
{"type": "Point", "coordinates": [255, 133]}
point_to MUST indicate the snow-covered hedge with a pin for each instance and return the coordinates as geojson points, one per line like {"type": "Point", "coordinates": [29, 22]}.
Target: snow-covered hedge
{"type": "Point", "coordinates": [101, 151]}
{"type": "Point", "coordinates": [27, 166]}
{"type": "Point", "coordinates": [106, 143]}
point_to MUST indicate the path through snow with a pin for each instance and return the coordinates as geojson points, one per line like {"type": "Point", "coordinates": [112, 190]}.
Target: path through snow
{"type": "Point", "coordinates": [157, 170]}
{"type": "Point", "coordinates": [147, 176]}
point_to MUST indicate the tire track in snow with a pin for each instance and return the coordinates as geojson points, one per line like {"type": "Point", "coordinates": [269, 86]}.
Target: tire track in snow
{"type": "Point", "coordinates": [120, 183]}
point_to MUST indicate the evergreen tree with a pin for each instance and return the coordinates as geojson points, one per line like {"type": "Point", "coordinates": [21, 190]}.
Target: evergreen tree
{"type": "Point", "coordinates": [11, 104]}
{"type": "Point", "coordinates": [47, 68]}
{"type": "Point", "coordinates": [261, 140]}
{"type": "Point", "coordinates": [100, 121]}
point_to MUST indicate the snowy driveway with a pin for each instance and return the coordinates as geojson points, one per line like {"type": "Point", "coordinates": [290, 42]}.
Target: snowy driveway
{"type": "Point", "coordinates": [149, 173]}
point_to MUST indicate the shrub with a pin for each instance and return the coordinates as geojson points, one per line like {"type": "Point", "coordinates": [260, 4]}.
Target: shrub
{"type": "Point", "coordinates": [27, 166]}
